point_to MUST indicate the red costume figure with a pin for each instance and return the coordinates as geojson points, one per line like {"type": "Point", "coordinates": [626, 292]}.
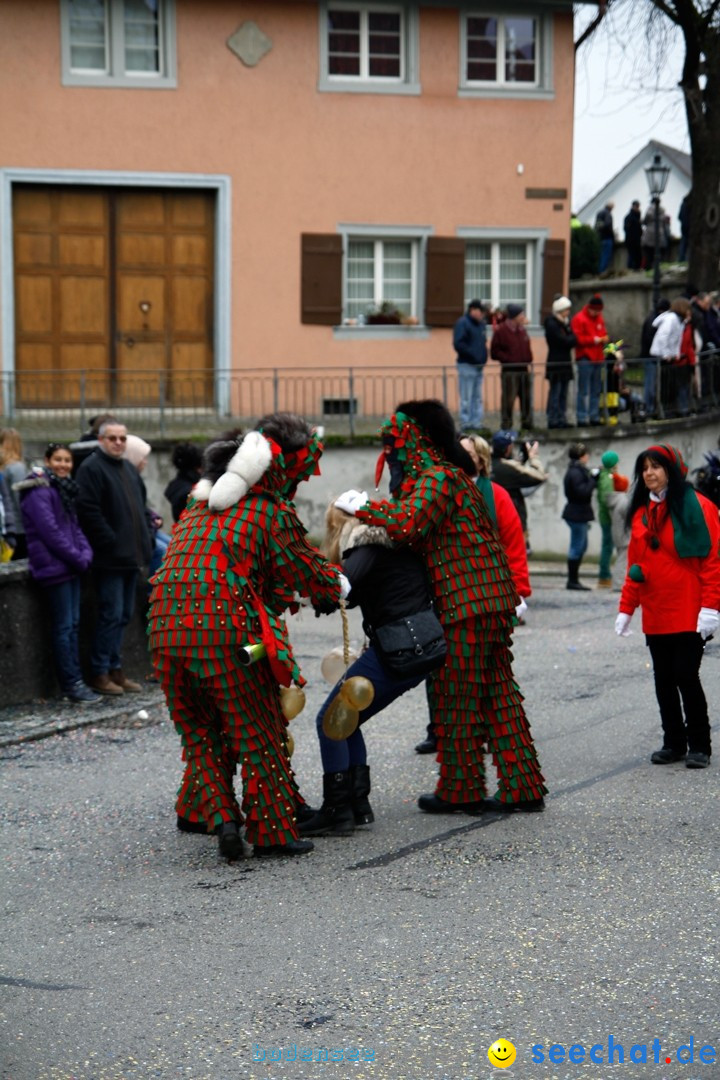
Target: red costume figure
{"type": "Point", "coordinates": [474, 699]}
{"type": "Point", "coordinates": [237, 558]}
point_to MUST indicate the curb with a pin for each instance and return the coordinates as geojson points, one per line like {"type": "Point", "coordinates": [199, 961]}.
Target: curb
{"type": "Point", "coordinates": [38, 726]}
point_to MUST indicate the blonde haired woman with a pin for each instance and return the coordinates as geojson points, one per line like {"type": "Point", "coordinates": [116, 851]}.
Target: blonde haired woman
{"type": "Point", "coordinates": [14, 471]}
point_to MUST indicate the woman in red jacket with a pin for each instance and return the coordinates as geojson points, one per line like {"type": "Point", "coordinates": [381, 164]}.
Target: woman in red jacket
{"type": "Point", "coordinates": [674, 575]}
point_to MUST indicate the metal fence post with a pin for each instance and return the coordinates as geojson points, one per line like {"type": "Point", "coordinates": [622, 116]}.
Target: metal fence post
{"type": "Point", "coordinates": [444, 385]}
{"type": "Point", "coordinates": [161, 403]}
{"type": "Point", "coordinates": [351, 402]}
{"type": "Point", "coordinates": [276, 390]}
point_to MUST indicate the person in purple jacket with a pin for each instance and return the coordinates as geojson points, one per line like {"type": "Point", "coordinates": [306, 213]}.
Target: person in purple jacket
{"type": "Point", "coordinates": [58, 553]}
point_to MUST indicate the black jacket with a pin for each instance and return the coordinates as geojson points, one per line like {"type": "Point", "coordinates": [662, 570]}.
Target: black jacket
{"type": "Point", "coordinates": [387, 581]}
{"type": "Point", "coordinates": [579, 485]}
{"type": "Point", "coordinates": [111, 511]}
{"type": "Point", "coordinates": [178, 490]}
{"type": "Point", "coordinates": [560, 341]}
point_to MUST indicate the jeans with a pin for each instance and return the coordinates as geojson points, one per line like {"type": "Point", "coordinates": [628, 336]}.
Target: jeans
{"type": "Point", "coordinates": [651, 385]}
{"type": "Point", "coordinates": [578, 539]}
{"type": "Point", "coordinates": [606, 251]}
{"type": "Point", "coordinates": [64, 604]}
{"type": "Point", "coordinates": [115, 591]}
{"type": "Point", "coordinates": [470, 381]}
{"type": "Point", "coordinates": [339, 754]}
{"type": "Point", "coordinates": [606, 550]}
{"type": "Point", "coordinates": [557, 401]}
{"type": "Point", "coordinates": [589, 386]}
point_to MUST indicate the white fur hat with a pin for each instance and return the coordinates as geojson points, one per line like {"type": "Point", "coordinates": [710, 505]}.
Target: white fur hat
{"type": "Point", "coordinates": [244, 469]}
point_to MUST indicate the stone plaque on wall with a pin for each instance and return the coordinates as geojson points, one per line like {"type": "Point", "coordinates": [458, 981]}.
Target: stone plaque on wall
{"type": "Point", "coordinates": [249, 44]}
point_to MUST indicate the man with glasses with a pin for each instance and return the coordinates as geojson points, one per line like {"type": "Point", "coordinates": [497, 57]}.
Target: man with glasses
{"type": "Point", "coordinates": [111, 509]}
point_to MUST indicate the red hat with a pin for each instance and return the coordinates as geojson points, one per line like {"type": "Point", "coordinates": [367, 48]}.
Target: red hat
{"type": "Point", "coordinates": [596, 301]}
{"type": "Point", "coordinates": [671, 454]}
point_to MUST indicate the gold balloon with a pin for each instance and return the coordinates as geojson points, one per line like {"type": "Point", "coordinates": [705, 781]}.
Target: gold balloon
{"type": "Point", "coordinates": [292, 701]}
{"type": "Point", "coordinates": [358, 691]}
{"type": "Point", "coordinates": [290, 743]}
{"type": "Point", "coordinates": [340, 719]}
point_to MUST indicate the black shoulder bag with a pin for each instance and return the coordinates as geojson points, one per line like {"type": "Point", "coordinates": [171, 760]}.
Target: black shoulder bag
{"type": "Point", "coordinates": [413, 645]}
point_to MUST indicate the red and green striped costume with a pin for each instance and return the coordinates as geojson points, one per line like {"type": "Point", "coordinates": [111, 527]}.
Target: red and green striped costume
{"type": "Point", "coordinates": [474, 698]}
{"type": "Point", "coordinates": [225, 581]}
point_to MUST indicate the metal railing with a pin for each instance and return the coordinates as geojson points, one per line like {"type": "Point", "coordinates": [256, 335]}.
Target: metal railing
{"type": "Point", "coordinates": [347, 401]}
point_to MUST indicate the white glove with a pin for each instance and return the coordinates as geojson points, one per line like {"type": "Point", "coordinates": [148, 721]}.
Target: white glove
{"type": "Point", "coordinates": [345, 587]}
{"type": "Point", "coordinates": [707, 623]}
{"type": "Point", "coordinates": [351, 501]}
{"type": "Point", "coordinates": [622, 625]}
{"type": "Point", "coordinates": [521, 608]}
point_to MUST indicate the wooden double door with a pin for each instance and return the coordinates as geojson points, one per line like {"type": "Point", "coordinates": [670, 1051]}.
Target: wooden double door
{"type": "Point", "coordinates": [113, 296]}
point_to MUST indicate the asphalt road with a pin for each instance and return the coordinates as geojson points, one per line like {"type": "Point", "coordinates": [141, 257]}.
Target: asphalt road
{"type": "Point", "coordinates": [131, 951]}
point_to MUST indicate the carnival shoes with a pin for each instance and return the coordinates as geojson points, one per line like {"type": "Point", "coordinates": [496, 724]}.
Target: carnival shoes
{"type": "Point", "coordinates": [427, 746]}
{"type": "Point", "coordinates": [293, 847]}
{"type": "Point", "coordinates": [187, 826]}
{"type": "Point", "coordinates": [666, 756]}
{"type": "Point", "coordinates": [524, 806]}
{"type": "Point", "coordinates": [696, 759]}
{"type": "Point", "coordinates": [434, 804]}
{"type": "Point", "coordinates": [230, 844]}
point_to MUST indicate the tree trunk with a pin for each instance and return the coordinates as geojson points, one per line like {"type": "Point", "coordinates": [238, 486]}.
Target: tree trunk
{"type": "Point", "coordinates": [702, 105]}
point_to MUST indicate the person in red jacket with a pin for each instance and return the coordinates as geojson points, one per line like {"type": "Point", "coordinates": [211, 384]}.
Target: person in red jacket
{"type": "Point", "coordinates": [588, 326]}
{"type": "Point", "coordinates": [674, 576]}
{"type": "Point", "coordinates": [511, 346]}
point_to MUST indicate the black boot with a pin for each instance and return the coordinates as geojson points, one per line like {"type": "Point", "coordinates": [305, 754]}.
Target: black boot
{"type": "Point", "coordinates": [230, 845]}
{"type": "Point", "coordinates": [335, 816]}
{"type": "Point", "coordinates": [360, 782]}
{"type": "Point", "coordinates": [573, 581]}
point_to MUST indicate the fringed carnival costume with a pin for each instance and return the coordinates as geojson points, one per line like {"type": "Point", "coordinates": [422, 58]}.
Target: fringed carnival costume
{"type": "Point", "coordinates": [238, 556]}
{"type": "Point", "coordinates": [474, 699]}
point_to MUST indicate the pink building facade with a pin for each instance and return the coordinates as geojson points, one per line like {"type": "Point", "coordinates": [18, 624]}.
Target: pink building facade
{"type": "Point", "coordinates": [190, 189]}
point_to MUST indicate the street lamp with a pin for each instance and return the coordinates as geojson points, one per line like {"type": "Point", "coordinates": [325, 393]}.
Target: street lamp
{"type": "Point", "coordinates": [657, 178]}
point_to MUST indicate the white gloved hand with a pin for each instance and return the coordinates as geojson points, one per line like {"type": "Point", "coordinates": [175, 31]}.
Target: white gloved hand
{"type": "Point", "coordinates": [351, 501]}
{"type": "Point", "coordinates": [622, 625]}
{"type": "Point", "coordinates": [707, 623]}
{"type": "Point", "coordinates": [521, 608]}
{"type": "Point", "coordinates": [345, 587]}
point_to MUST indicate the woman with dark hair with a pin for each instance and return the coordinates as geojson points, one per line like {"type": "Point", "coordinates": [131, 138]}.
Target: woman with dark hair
{"type": "Point", "coordinates": [674, 576]}
{"type": "Point", "coordinates": [237, 558]}
{"type": "Point", "coordinates": [436, 508]}
{"type": "Point", "coordinates": [579, 485]}
{"type": "Point", "coordinates": [187, 459]}
{"type": "Point", "coordinates": [58, 553]}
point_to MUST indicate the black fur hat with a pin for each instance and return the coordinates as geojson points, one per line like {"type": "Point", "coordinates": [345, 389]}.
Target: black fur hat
{"type": "Point", "coordinates": [436, 421]}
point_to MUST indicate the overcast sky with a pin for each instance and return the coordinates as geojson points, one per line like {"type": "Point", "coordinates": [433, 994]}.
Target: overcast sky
{"type": "Point", "coordinates": [623, 98]}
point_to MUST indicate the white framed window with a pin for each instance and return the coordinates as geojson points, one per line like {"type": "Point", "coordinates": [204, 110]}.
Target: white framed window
{"type": "Point", "coordinates": [118, 43]}
{"type": "Point", "coordinates": [381, 274]}
{"type": "Point", "coordinates": [370, 48]}
{"type": "Point", "coordinates": [506, 55]}
{"type": "Point", "coordinates": [504, 266]}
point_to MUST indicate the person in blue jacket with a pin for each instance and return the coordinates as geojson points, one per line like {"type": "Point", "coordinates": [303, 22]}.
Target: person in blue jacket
{"type": "Point", "coordinates": [58, 553]}
{"type": "Point", "coordinates": [471, 348]}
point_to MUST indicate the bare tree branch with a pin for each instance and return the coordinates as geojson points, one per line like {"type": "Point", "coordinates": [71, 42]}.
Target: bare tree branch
{"type": "Point", "coordinates": [590, 29]}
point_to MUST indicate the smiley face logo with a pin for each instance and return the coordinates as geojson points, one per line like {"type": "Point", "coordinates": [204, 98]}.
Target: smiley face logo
{"type": "Point", "coordinates": [502, 1054]}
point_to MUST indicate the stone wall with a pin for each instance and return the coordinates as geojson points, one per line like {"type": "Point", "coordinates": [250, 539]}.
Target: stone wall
{"type": "Point", "coordinates": [26, 658]}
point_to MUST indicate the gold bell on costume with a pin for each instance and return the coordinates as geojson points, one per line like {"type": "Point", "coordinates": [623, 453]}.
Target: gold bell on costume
{"type": "Point", "coordinates": [292, 701]}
